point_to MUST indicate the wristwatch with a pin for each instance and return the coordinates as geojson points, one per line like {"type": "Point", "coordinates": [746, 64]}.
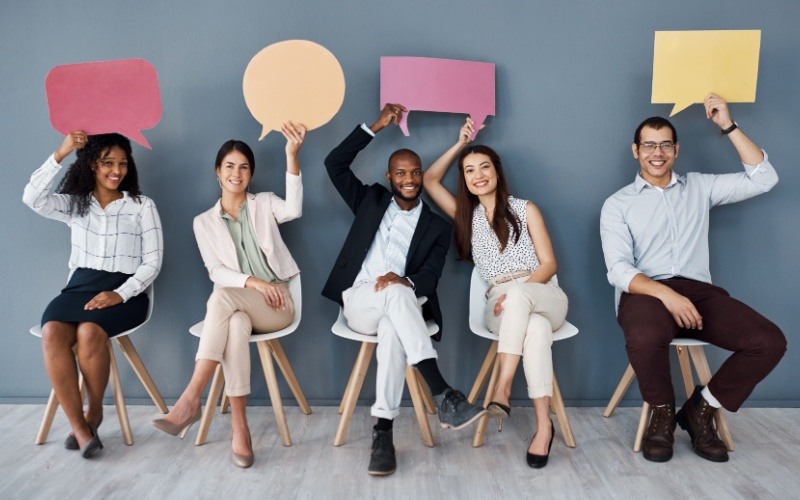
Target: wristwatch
{"type": "Point", "coordinates": [726, 131]}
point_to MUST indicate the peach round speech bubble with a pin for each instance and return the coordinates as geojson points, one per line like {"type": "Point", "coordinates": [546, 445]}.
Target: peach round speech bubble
{"type": "Point", "coordinates": [293, 80]}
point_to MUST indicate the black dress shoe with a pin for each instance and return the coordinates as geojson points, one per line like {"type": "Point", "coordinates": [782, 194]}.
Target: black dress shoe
{"type": "Point", "coordinates": [93, 446]}
{"type": "Point", "coordinates": [539, 461]}
{"type": "Point", "coordinates": [383, 461]}
{"type": "Point", "coordinates": [71, 443]}
{"type": "Point", "coordinates": [659, 437]}
{"type": "Point", "coordinates": [697, 418]}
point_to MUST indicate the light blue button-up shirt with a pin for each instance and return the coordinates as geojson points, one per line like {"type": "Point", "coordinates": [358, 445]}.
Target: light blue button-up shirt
{"type": "Point", "coordinates": [664, 232]}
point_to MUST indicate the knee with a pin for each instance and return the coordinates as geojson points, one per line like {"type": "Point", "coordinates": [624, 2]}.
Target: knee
{"type": "Point", "coordinates": [400, 292]}
{"type": "Point", "coordinates": [56, 337]}
{"type": "Point", "coordinates": [91, 336]}
{"type": "Point", "coordinates": [240, 325]}
{"type": "Point", "coordinates": [539, 333]}
{"type": "Point", "coordinates": [769, 341]}
{"type": "Point", "coordinates": [647, 337]}
{"type": "Point", "coordinates": [515, 297]}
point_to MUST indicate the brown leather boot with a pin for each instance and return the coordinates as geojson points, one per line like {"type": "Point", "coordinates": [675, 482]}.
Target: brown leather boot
{"type": "Point", "coordinates": [658, 439]}
{"type": "Point", "coordinates": [697, 418]}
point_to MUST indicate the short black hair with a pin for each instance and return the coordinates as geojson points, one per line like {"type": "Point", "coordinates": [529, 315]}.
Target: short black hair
{"type": "Point", "coordinates": [657, 123]}
{"type": "Point", "coordinates": [403, 152]}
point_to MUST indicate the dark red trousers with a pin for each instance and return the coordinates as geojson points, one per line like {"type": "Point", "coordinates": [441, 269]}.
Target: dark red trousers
{"type": "Point", "coordinates": [757, 343]}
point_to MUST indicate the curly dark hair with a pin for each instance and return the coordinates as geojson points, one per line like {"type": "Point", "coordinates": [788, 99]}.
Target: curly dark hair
{"type": "Point", "coordinates": [79, 180]}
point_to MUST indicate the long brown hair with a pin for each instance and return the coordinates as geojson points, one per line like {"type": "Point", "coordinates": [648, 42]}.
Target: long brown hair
{"type": "Point", "coordinates": [503, 217]}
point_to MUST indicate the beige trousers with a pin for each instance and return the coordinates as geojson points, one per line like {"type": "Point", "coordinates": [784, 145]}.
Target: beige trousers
{"type": "Point", "coordinates": [232, 314]}
{"type": "Point", "coordinates": [531, 312]}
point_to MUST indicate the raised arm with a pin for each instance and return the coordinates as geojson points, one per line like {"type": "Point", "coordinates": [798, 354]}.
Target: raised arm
{"type": "Point", "coordinates": [292, 207]}
{"type": "Point", "coordinates": [432, 180]}
{"type": "Point", "coordinates": [717, 111]}
{"type": "Point", "coordinates": [37, 192]}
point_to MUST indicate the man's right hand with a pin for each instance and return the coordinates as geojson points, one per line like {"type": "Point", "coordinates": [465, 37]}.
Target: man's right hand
{"type": "Point", "coordinates": [682, 310]}
{"type": "Point", "coordinates": [390, 113]}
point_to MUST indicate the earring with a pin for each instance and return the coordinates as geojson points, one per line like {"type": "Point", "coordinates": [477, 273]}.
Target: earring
{"type": "Point", "coordinates": [219, 182]}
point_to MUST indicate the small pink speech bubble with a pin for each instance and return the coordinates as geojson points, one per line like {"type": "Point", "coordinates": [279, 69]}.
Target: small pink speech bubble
{"type": "Point", "coordinates": [106, 96]}
{"type": "Point", "coordinates": [443, 85]}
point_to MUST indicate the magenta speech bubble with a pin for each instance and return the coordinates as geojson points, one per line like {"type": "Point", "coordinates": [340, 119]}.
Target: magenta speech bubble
{"type": "Point", "coordinates": [443, 85]}
{"type": "Point", "coordinates": [106, 96]}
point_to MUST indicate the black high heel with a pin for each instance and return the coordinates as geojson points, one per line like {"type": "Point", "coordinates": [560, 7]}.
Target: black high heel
{"type": "Point", "coordinates": [539, 461]}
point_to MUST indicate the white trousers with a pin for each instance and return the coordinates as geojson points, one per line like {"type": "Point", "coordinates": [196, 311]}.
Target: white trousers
{"type": "Point", "coordinates": [395, 316]}
{"type": "Point", "coordinates": [531, 312]}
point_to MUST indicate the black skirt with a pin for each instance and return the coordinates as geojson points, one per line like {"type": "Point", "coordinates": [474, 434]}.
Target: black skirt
{"type": "Point", "coordinates": [82, 287]}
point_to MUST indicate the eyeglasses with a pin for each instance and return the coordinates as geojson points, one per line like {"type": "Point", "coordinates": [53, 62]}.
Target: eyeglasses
{"type": "Point", "coordinates": [667, 147]}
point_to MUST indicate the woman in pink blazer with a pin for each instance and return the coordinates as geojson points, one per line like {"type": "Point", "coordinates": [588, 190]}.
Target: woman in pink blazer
{"type": "Point", "coordinates": [249, 264]}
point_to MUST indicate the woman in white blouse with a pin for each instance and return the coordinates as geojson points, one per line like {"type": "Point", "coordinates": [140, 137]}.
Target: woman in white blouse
{"type": "Point", "coordinates": [117, 249]}
{"type": "Point", "coordinates": [250, 265]}
{"type": "Point", "coordinates": [507, 240]}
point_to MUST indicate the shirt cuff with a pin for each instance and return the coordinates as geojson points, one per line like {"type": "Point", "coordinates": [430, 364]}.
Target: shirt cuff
{"type": "Point", "coordinates": [753, 169]}
{"type": "Point", "coordinates": [413, 286]}
{"type": "Point", "coordinates": [367, 130]}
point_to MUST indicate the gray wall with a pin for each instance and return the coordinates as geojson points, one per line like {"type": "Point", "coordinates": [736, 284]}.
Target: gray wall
{"type": "Point", "coordinates": [573, 81]}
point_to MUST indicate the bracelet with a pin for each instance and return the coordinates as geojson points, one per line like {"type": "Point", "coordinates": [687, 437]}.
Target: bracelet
{"type": "Point", "coordinates": [728, 130]}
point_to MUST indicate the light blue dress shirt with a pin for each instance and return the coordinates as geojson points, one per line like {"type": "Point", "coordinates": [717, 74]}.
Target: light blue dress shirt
{"type": "Point", "coordinates": [664, 232]}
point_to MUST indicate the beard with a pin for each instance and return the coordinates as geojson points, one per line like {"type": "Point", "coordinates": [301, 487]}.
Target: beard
{"type": "Point", "coordinates": [400, 194]}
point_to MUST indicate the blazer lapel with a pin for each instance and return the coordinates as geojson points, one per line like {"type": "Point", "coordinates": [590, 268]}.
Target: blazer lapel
{"type": "Point", "coordinates": [419, 232]}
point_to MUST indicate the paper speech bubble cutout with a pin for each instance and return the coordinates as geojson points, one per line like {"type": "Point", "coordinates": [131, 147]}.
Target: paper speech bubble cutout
{"type": "Point", "coordinates": [443, 85]}
{"type": "Point", "coordinates": [687, 65]}
{"type": "Point", "coordinates": [106, 96]}
{"type": "Point", "coordinates": [293, 80]}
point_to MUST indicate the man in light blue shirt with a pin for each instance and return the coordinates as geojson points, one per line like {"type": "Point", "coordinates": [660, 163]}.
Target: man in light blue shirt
{"type": "Point", "coordinates": [655, 242]}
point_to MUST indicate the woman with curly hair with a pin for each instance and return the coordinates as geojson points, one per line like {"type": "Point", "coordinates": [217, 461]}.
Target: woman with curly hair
{"type": "Point", "coordinates": [507, 239]}
{"type": "Point", "coordinates": [117, 248]}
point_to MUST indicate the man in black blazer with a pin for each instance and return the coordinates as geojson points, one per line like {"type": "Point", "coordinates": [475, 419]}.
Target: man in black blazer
{"type": "Point", "coordinates": [391, 263]}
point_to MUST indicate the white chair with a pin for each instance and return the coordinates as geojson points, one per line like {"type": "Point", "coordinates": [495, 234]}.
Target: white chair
{"type": "Point", "coordinates": [685, 348]}
{"type": "Point", "coordinates": [268, 347]}
{"type": "Point", "coordinates": [420, 396]}
{"type": "Point", "coordinates": [477, 305]}
{"type": "Point", "coordinates": [135, 361]}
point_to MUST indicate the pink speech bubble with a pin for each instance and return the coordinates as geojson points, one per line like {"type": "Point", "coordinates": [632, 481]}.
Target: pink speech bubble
{"type": "Point", "coordinates": [444, 85]}
{"type": "Point", "coordinates": [107, 96]}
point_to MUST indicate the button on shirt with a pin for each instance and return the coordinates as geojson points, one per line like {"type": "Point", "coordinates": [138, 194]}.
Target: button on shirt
{"type": "Point", "coordinates": [663, 233]}
{"type": "Point", "coordinates": [386, 256]}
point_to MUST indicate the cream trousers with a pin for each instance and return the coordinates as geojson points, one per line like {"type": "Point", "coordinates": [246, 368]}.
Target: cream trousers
{"type": "Point", "coordinates": [232, 314]}
{"type": "Point", "coordinates": [531, 312]}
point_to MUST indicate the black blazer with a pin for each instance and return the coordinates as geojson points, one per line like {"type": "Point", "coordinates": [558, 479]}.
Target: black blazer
{"type": "Point", "coordinates": [428, 248]}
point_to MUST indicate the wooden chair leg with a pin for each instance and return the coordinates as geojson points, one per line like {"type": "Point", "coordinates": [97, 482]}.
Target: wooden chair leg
{"type": "Point", "coordinates": [480, 431]}
{"type": "Point", "coordinates": [288, 374]}
{"type": "Point", "coordinates": [483, 373]}
{"type": "Point", "coordinates": [686, 369]}
{"type": "Point", "coordinates": [119, 399]}
{"type": "Point", "coordinates": [130, 353]}
{"type": "Point", "coordinates": [226, 404]}
{"type": "Point", "coordinates": [350, 383]}
{"type": "Point", "coordinates": [274, 391]}
{"type": "Point", "coordinates": [211, 404]}
{"type": "Point", "coordinates": [643, 419]}
{"type": "Point", "coordinates": [704, 374]}
{"type": "Point", "coordinates": [419, 406]}
{"type": "Point", "coordinates": [425, 392]}
{"type": "Point", "coordinates": [619, 393]}
{"type": "Point", "coordinates": [557, 404]}
{"type": "Point", "coordinates": [47, 420]}
{"type": "Point", "coordinates": [353, 390]}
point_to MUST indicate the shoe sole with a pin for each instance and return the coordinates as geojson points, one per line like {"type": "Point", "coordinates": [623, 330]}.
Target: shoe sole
{"type": "Point", "coordinates": [657, 459]}
{"type": "Point", "coordinates": [381, 473]}
{"type": "Point", "coordinates": [465, 424]}
{"type": "Point", "coordinates": [680, 418]}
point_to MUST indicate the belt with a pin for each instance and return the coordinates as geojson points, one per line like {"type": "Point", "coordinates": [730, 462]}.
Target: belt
{"type": "Point", "coordinates": [506, 277]}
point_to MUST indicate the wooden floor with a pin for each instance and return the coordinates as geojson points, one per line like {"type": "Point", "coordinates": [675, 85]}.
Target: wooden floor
{"type": "Point", "coordinates": [766, 462]}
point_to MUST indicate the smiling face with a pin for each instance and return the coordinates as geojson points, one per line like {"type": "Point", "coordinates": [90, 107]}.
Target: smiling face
{"type": "Point", "coordinates": [234, 172]}
{"type": "Point", "coordinates": [405, 177]}
{"type": "Point", "coordinates": [656, 166]}
{"type": "Point", "coordinates": [110, 169]}
{"type": "Point", "coordinates": [480, 174]}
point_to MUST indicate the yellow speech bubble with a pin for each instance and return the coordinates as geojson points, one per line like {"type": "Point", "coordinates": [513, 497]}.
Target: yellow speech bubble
{"type": "Point", "coordinates": [687, 65]}
{"type": "Point", "coordinates": [293, 80]}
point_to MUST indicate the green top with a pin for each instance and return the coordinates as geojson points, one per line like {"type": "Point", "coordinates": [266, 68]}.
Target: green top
{"type": "Point", "coordinates": [251, 259]}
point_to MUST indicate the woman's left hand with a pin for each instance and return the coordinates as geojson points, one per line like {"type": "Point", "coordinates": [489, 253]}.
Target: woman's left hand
{"type": "Point", "coordinates": [103, 300]}
{"type": "Point", "coordinates": [295, 134]}
{"type": "Point", "coordinates": [498, 306]}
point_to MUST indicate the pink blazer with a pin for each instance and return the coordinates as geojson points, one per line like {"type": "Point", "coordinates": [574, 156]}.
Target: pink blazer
{"type": "Point", "coordinates": [267, 210]}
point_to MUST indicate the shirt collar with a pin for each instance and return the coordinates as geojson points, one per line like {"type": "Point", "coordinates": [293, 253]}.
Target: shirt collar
{"type": "Point", "coordinates": [413, 212]}
{"type": "Point", "coordinates": [639, 183]}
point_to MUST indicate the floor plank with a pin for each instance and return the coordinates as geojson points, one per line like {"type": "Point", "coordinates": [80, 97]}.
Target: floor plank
{"type": "Point", "coordinates": [765, 464]}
